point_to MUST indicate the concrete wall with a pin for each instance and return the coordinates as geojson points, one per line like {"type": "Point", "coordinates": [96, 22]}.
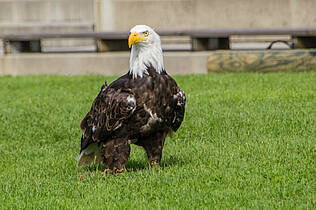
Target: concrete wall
{"type": "Point", "coordinates": [33, 16]}
{"type": "Point", "coordinates": [19, 11]}
{"type": "Point", "coordinates": [114, 63]}
{"type": "Point", "coordinates": [46, 15]}
{"type": "Point", "coordinates": [199, 14]}
{"type": "Point", "coordinates": [65, 15]}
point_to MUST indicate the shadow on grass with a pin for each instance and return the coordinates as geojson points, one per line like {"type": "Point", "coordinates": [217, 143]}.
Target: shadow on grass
{"type": "Point", "coordinates": [173, 161]}
{"type": "Point", "coordinates": [137, 165]}
{"type": "Point", "coordinates": [140, 165]}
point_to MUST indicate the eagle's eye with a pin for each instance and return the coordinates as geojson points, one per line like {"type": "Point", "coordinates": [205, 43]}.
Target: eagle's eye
{"type": "Point", "coordinates": [146, 33]}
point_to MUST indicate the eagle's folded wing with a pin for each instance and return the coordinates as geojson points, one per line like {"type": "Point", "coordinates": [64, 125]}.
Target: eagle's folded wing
{"type": "Point", "coordinates": [109, 110]}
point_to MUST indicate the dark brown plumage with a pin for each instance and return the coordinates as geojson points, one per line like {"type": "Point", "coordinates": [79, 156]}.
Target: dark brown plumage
{"type": "Point", "coordinates": [155, 108]}
{"type": "Point", "coordinates": [140, 110]}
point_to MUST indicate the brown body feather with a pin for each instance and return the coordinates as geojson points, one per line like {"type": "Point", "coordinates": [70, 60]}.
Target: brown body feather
{"type": "Point", "coordinates": [144, 109]}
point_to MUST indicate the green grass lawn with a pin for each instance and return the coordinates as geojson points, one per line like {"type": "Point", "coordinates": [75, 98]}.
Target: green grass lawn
{"type": "Point", "coordinates": [247, 141]}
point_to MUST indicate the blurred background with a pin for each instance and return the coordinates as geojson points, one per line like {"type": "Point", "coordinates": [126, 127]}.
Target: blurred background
{"type": "Point", "coordinates": [85, 17]}
{"type": "Point", "coordinates": [99, 15]}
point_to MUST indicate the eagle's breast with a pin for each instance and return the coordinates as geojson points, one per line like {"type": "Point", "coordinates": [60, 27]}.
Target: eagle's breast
{"type": "Point", "coordinates": [160, 103]}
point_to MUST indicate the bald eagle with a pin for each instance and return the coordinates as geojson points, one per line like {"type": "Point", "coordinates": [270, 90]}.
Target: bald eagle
{"type": "Point", "coordinates": [141, 107]}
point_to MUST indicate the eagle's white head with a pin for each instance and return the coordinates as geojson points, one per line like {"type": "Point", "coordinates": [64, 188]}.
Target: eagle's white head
{"type": "Point", "coordinates": [146, 50]}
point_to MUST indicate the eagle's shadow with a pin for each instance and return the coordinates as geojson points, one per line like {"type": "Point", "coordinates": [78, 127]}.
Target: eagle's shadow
{"type": "Point", "coordinates": [141, 165]}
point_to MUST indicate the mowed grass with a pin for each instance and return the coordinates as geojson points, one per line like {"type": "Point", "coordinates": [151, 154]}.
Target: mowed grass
{"type": "Point", "coordinates": [247, 141]}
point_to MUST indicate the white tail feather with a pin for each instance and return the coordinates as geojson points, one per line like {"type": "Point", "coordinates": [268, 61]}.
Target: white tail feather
{"type": "Point", "coordinates": [91, 154]}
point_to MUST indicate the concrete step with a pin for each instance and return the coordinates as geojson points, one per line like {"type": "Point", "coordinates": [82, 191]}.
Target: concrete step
{"type": "Point", "coordinates": [112, 63]}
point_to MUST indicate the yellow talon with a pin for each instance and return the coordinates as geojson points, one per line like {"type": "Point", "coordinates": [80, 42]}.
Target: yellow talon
{"type": "Point", "coordinates": [154, 163]}
{"type": "Point", "coordinates": [119, 171]}
{"type": "Point", "coordinates": [108, 171]}
{"type": "Point", "coordinates": [115, 171]}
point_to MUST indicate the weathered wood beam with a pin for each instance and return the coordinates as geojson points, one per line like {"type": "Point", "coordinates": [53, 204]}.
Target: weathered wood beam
{"type": "Point", "coordinates": [262, 61]}
{"type": "Point", "coordinates": [116, 40]}
{"type": "Point", "coordinates": [199, 33]}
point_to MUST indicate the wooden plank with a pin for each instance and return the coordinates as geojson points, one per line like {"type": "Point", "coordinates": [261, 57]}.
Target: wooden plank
{"type": "Point", "coordinates": [262, 61]}
{"type": "Point", "coordinates": [82, 34]}
{"type": "Point", "coordinates": [201, 39]}
{"type": "Point", "coordinates": [199, 33]}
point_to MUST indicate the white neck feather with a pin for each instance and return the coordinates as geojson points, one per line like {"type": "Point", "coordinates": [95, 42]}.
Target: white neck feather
{"type": "Point", "coordinates": [143, 56]}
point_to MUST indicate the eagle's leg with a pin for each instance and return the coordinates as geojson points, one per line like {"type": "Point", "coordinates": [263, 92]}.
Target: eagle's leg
{"type": "Point", "coordinates": [116, 153]}
{"type": "Point", "coordinates": [153, 146]}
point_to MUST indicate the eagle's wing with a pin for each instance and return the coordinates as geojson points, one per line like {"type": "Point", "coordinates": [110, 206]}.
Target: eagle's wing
{"type": "Point", "coordinates": [168, 102]}
{"type": "Point", "coordinates": [109, 110]}
{"type": "Point", "coordinates": [178, 108]}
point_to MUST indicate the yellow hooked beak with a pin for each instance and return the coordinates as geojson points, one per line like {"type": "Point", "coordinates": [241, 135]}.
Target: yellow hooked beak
{"type": "Point", "coordinates": [133, 38]}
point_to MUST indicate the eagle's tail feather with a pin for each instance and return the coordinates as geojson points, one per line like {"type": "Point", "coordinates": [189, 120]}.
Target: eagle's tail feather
{"type": "Point", "coordinates": [89, 155]}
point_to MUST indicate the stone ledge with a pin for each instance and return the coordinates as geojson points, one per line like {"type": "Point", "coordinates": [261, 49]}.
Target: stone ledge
{"type": "Point", "coordinates": [114, 63]}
